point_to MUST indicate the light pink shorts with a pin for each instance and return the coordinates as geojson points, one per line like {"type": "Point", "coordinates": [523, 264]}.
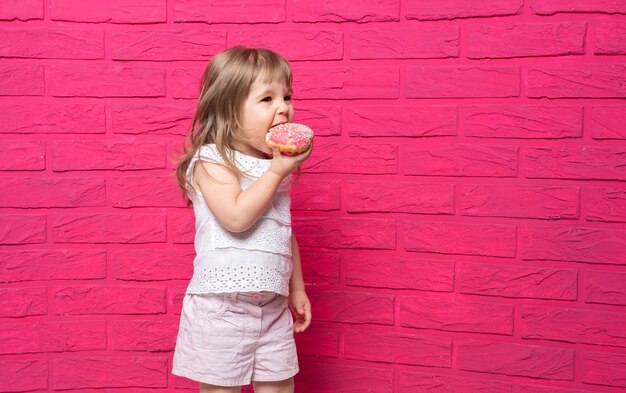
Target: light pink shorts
{"type": "Point", "coordinates": [231, 339]}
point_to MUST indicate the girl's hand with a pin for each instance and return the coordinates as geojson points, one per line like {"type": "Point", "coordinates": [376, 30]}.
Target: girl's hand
{"type": "Point", "coordinates": [283, 165]}
{"type": "Point", "coordinates": [301, 306]}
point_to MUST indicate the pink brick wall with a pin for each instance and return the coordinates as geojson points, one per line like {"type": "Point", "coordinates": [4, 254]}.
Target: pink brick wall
{"type": "Point", "coordinates": [462, 219]}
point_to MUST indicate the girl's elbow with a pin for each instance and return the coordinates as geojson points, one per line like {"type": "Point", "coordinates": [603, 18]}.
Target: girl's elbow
{"type": "Point", "coordinates": [236, 225]}
{"type": "Point", "coordinates": [235, 228]}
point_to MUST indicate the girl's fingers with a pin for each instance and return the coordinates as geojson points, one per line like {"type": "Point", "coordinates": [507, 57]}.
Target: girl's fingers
{"type": "Point", "coordinates": [303, 319]}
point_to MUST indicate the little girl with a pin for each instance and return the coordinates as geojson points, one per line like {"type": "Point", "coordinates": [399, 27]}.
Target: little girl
{"type": "Point", "coordinates": [235, 325]}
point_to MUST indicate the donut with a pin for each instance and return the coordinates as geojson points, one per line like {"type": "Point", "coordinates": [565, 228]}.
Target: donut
{"type": "Point", "coordinates": [290, 138]}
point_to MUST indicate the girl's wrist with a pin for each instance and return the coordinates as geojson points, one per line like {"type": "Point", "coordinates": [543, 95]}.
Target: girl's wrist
{"type": "Point", "coordinates": [276, 174]}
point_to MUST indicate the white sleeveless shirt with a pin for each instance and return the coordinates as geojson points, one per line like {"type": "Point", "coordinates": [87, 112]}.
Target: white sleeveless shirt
{"type": "Point", "coordinates": [258, 259]}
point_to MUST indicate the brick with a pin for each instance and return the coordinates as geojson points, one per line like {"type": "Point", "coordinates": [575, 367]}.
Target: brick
{"type": "Point", "coordinates": [108, 228]}
{"type": "Point", "coordinates": [152, 264]}
{"type": "Point", "coordinates": [138, 191]}
{"type": "Point", "coordinates": [401, 120]}
{"type": "Point", "coordinates": [346, 82]}
{"type": "Point", "coordinates": [606, 204]}
{"type": "Point", "coordinates": [22, 10]}
{"type": "Point", "coordinates": [399, 273]}
{"type": "Point", "coordinates": [517, 281]}
{"type": "Point", "coordinates": [458, 238]}
{"type": "Point", "coordinates": [37, 337]}
{"type": "Point", "coordinates": [107, 155]}
{"type": "Point", "coordinates": [462, 81]}
{"type": "Point", "coordinates": [174, 153]}
{"type": "Point", "coordinates": [607, 121]}
{"type": "Point", "coordinates": [353, 307]}
{"type": "Point", "coordinates": [458, 316]}
{"type": "Point", "coordinates": [546, 389]}
{"type": "Point", "coordinates": [324, 120]}
{"type": "Point", "coordinates": [314, 45]}
{"type": "Point", "coordinates": [181, 227]}
{"type": "Point", "coordinates": [20, 375]}
{"type": "Point", "coordinates": [516, 359]}
{"type": "Point", "coordinates": [22, 156]}
{"type": "Point", "coordinates": [185, 83]}
{"type": "Point", "coordinates": [574, 244]}
{"type": "Point", "coordinates": [109, 372]}
{"type": "Point", "coordinates": [114, 81]}
{"type": "Point", "coordinates": [520, 201]}
{"type": "Point", "coordinates": [23, 302]}
{"type": "Point", "coordinates": [224, 11]}
{"type": "Point", "coordinates": [601, 368]}
{"type": "Point", "coordinates": [397, 348]}
{"type": "Point", "coordinates": [551, 7]}
{"type": "Point", "coordinates": [355, 158]}
{"type": "Point", "coordinates": [150, 119]}
{"type": "Point", "coordinates": [521, 121]}
{"type": "Point", "coordinates": [360, 11]}
{"type": "Point", "coordinates": [583, 162]}
{"type": "Point", "coordinates": [453, 9]}
{"type": "Point", "coordinates": [52, 118]}
{"type": "Point", "coordinates": [605, 287]}
{"type": "Point", "coordinates": [319, 340]}
{"type": "Point", "coordinates": [53, 192]}
{"type": "Point", "coordinates": [46, 43]}
{"type": "Point", "coordinates": [113, 11]}
{"type": "Point", "coordinates": [573, 325]}
{"type": "Point", "coordinates": [405, 43]}
{"type": "Point", "coordinates": [144, 335]}
{"type": "Point", "coordinates": [400, 197]}
{"type": "Point", "coordinates": [610, 38]}
{"type": "Point", "coordinates": [410, 382]}
{"type": "Point", "coordinates": [23, 229]}
{"type": "Point", "coordinates": [320, 269]}
{"type": "Point", "coordinates": [92, 299]}
{"type": "Point", "coordinates": [44, 265]}
{"type": "Point", "coordinates": [317, 377]}
{"type": "Point", "coordinates": [332, 232]}
{"type": "Point", "coordinates": [500, 40]}
{"type": "Point", "coordinates": [315, 195]}
{"type": "Point", "coordinates": [175, 297]}
{"type": "Point", "coordinates": [166, 45]}
{"type": "Point", "coordinates": [21, 80]}
{"type": "Point", "coordinates": [184, 383]}
{"type": "Point", "coordinates": [577, 80]}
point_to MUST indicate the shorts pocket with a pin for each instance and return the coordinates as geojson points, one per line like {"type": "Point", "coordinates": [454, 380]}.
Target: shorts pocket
{"type": "Point", "coordinates": [208, 305]}
{"type": "Point", "coordinates": [212, 326]}
{"type": "Point", "coordinates": [284, 326]}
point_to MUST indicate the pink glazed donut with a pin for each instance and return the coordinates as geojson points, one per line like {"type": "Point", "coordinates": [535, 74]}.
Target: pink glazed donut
{"type": "Point", "coordinates": [290, 138]}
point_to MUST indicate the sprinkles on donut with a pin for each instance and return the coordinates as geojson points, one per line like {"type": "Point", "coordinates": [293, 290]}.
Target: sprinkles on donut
{"type": "Point", "coordinates": [290, 138]}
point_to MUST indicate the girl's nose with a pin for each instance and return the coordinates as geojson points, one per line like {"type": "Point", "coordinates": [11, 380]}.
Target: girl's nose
{"type": "Point", "coordinates": [283, 107]}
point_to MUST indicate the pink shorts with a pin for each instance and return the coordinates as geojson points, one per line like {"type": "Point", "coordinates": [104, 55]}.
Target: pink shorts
{"type": "Point", "coordinates": [231, 339]}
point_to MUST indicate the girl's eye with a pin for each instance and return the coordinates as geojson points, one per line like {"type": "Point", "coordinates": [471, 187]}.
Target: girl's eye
{"type": "Point", "coordinates": [288, 98]}
{"type": "Point", "coordinates": [267, 99]}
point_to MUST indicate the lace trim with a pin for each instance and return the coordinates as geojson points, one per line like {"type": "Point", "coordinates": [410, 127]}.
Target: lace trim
{"type": "Point", "coordinates": [238, 279]}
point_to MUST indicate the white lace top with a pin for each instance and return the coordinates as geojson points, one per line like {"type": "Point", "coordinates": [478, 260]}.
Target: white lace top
{"type": "Point", "coordinates": [258, 259]}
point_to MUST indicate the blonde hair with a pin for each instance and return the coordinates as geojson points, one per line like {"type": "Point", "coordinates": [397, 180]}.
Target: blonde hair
{"type": "Point", "coordinates": [224, 87]}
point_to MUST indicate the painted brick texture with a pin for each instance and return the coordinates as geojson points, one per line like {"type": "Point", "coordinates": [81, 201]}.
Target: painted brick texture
{"type": "Point", "coordinates": [462, 220]}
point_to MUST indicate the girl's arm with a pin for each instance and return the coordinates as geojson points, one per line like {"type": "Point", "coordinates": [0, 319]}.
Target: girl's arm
{"type": "Point", "coordinates": [238, 210]}
{"type": "Point", "coordinates": [298, 299]}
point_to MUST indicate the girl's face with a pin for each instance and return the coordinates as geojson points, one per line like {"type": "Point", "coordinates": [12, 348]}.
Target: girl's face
{"type": "Point", "coordinates": [267, 105]}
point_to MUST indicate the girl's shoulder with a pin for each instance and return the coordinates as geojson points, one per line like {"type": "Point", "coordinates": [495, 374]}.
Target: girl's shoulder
{"type": "Point", "coordinates": [209, 152]}
{"type": "Point", "coordinates": [244, 162]}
